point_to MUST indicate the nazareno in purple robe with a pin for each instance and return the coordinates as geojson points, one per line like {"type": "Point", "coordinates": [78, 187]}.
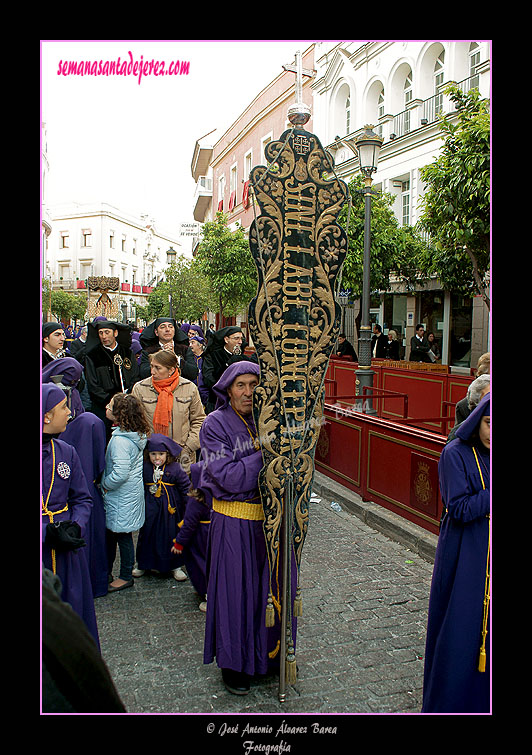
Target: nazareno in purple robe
{"type": "Point", "coordinates": [157, 534]}
{"type": "Point", "coordinates": [86, 432]}
{"type": "Point", "coordinates": [237, 565]}
{"type": "Point", "coordinates": [452, 681]}
{"type": "Point", "coordinates": [61, 462]}
{"type": "Point", "coordinates": [71, 372]}
{"type": "Point", "coordinates": [193, 535]}
{"type": "Point", "coordinates": [88, 436]}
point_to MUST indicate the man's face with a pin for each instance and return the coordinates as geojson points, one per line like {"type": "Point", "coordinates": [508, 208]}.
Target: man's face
{"type": "Point", "coordinates": [165, 332]}
{"type": "Point", "coordinates": [420, 332]}
{"type": "Point", "coordinates": [107, 337]}
{"type": "Point", "coordinates": [233, 340]}
{"type": "Point", "coordinates": [55, 340]}
{"type": "Point", "coordinates": [240, 393]}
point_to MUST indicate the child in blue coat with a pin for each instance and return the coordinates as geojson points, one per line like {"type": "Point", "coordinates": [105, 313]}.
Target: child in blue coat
{"type": "Point", "coordinates": [121, 484]}
{"type": "Point", "coordinates": [166, 486]}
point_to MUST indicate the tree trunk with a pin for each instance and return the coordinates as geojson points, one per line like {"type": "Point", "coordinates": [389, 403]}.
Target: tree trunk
{"type": "Point", "coordinates": [482, 288]}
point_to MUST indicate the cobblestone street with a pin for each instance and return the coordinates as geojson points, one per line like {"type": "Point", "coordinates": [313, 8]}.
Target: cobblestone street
{"type": "Point", "coordinates": [360, 641]}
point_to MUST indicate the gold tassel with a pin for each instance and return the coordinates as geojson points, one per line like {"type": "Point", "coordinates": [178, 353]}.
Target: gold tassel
{"type": "Point", "coordinates": [482, 660]}
{"type": "Point", "coordinates": [298, 604]}
{"type": "Point", "coordinates": [270, 613]}
{"type": "Point", "coordinates": [291, 669]}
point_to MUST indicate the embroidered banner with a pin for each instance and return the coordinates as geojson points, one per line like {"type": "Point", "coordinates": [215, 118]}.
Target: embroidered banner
{"type": "Point", "coordinates": [294, 322]}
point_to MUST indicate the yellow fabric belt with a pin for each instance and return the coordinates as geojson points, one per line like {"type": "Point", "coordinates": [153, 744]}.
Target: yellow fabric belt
{"type": "Point", "coordinates": [239, 509]}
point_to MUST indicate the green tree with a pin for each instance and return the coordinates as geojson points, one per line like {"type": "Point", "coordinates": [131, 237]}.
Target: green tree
{"type": "Point", "coordinates": [189, 288]}
{"type": "Point", "coordinates": [225, 259]}
{"type": "Point", "coordinates": [65, 306]}
{"type": "Point", "coordinates": [456, 203]}
{"type": "Point", "coordinates": [395, 250]}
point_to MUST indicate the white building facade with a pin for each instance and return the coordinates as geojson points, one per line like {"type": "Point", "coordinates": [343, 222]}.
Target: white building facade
{"type": "Point", "coordinates": [89, 240]}
{"type": "Point", "coordinates": [398, 88]}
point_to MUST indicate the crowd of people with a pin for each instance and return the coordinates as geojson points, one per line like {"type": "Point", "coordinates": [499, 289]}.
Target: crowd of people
{"type": "Point", "coordinates": [423, 347]}
{"type": "Point", "coordinates": [132, 443]}
{"type": "Point", "coordinates": [153, 433]}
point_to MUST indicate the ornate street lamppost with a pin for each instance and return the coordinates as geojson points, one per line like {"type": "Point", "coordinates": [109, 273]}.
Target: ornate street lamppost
{"type": "Point", "coordinates": [171, 255]}
{"type": "Point", "coordinates": [368, 145]}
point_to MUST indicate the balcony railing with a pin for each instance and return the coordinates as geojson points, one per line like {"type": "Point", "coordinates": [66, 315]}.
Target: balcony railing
{"type": "Point", "coordinates": [401, 123]}
{"type": "Point", "coordinates": [419, 113]}
{"type": "Point", "coordinates": [203, 186]}
{"type": "Point", "coordinates": [432, 107]}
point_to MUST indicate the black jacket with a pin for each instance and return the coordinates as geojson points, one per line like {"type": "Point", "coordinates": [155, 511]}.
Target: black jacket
{"type": "Point", "coordinates": [347, 349]}
{"type": "Point", "coordinates": [103, 374]}
{"type": "Point", "coordinates": [380, 352]}
{"type": "Point", "coordinates": [187, 363]}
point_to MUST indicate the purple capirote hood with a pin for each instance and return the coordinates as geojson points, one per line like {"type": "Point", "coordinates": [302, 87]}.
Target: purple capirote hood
{"type": "Point", "coordinates": [244, 367]}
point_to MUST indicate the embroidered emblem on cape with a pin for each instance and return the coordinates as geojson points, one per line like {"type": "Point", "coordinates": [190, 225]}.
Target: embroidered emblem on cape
{"type": "Point", "coordinates": [63, 470]}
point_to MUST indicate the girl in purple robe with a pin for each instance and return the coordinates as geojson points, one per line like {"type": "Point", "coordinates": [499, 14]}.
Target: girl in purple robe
{"type": "Point", "coordinates": [193, 536]}
{"type": "Point", "coordinates": [237, 565]}
{"type": "Point", "coordinates": [457, 656]}
{"type": "Point", "coordinates": [166, 486]}
{"type": "Point", "coordinates": [66, 509]}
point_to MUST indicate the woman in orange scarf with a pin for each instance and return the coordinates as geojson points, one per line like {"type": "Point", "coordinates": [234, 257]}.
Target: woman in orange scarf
{"type": "Point", "coordinates": [165, 380]}
{"type": "Point", "coordinates": [172, 404]}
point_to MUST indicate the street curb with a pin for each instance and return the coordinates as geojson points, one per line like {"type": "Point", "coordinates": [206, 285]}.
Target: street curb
{"type": "Point", "coordinates": [392, 525]}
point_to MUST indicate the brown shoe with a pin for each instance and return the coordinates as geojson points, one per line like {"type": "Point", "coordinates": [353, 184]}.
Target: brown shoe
{"type": "Point", "coordinates": [114, 588]}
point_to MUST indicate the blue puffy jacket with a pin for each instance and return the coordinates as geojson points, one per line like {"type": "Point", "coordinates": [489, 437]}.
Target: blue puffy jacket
{"type": "Point", "coordinates": [122, 484]}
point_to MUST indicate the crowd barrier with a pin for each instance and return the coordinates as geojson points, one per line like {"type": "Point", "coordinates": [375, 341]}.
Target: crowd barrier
{"type": "Point", "coordinates": [390, 456]}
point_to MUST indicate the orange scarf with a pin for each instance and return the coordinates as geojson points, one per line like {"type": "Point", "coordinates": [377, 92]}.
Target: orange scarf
{"type": "Point", "coordinates": [163, 411]}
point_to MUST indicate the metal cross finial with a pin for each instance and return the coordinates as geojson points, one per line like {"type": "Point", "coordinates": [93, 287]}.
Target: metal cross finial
{"type": "Point", "coordinates": [299, 113]}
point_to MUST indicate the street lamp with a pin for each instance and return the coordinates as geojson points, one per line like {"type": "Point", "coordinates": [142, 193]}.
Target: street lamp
{"type": "Point", "coordinates": [170, 259]}
{"type": "Point", "coordinates": [369, 146]}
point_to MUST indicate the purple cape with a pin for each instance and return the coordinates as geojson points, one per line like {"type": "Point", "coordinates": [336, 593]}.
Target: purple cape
{"type": "Point", "coordinates": [452, 682]}
{"type": "Point", "coordinates": [86, 433]}
{"type": "Point", "coordinates": [194, 534]}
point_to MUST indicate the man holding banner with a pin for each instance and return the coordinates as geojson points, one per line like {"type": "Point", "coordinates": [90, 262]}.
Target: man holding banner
{"type": "Point", "coordinates": [238, 574]}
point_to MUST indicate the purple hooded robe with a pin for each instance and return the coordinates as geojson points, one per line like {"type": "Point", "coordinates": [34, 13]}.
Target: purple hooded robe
{"type": "Point", "coordinates": [237, 565]}
{"type": "Point", "coordinates": [452, 681]}
{"type": "Point", "coordinates": [87, 434]}
{"type": "Point", "coordinates": [64, 484]}
{"type": "Point", "coordinates": [193, 535]}
{"type": "Point", "coordinates": [160, 525]}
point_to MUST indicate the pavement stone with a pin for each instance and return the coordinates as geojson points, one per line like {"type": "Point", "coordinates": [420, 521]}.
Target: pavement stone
{"type": "Point", "coordinates": [365, 580]}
